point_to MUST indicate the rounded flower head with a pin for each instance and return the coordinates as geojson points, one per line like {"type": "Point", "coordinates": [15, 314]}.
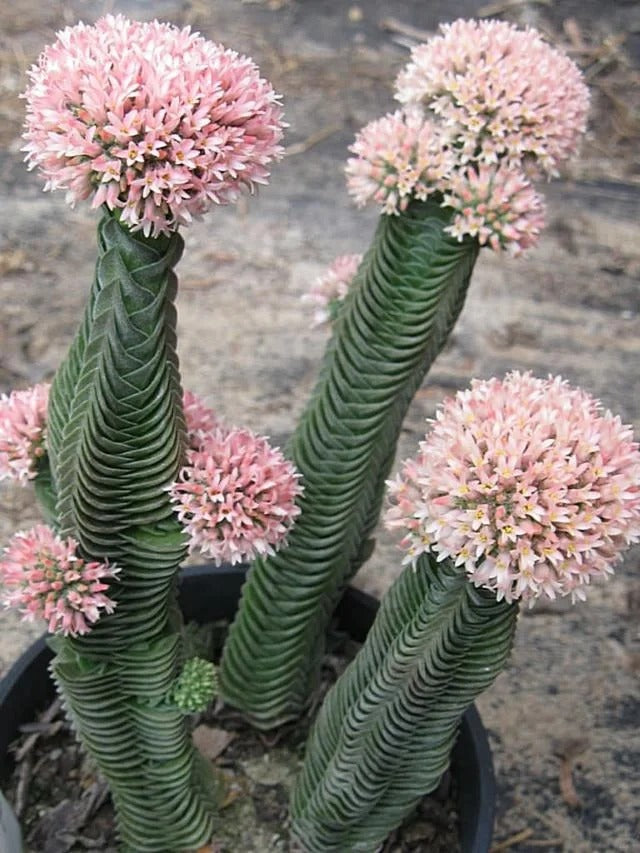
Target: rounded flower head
{"type": "Point", "coordinates": [45, 578]}
{"type": "Point", "coordinates": [331, 287]}
{"type": "Point", "coordinates": [504, 93]}
{"type": "Point", "coordinates": [200, 419]}
{"type": "Point", "coordinates": [23, 416]}
{"type": "Point", "coordinates": [525, 482]}
{"type": "Point", "coordinates": [497, 205]}
{"type": "Point", "coordinates": [398, 157]}
{"type": "Point", "coordinates": [236, 496]}
{"type": "Point", "coordinates": [153, 121]}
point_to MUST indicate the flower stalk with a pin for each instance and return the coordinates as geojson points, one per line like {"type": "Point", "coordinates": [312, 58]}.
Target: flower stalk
{"type": "Point", "coordinates": [384, 733]}
{"type": "Point", "coordinates": [405, 298]}
{"type": "Point", "coordinates": [115, 409]}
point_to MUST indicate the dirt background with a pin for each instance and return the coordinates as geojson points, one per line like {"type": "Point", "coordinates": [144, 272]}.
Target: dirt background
{"type": "Point", "coordinates": [564, 718]}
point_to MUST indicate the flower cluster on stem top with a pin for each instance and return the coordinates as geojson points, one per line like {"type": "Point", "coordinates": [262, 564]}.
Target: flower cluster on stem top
{"type": "Point", "coordinates": [45, 578]}
{"type": "Point", "coordinates": [486, 107]}
{"type": "Point", "coordinates": [525, 482]}
{"type": "Point", "coordinates": [497, 205]}
{"type": "Point", "coordinates": [152, 121]}
{"type": "Point", "coordinates": [399, 156]}
{"type": "Point", "coordinates": [504, 94]}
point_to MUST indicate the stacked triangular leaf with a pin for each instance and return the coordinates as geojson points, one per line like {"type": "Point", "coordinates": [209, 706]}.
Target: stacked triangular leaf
{"type": "Point", "coordinates": [401, 307]}
{"type": "Point", "coordinates": [384, 734]}
{"type": "Point", "coordinates": [116, 436]}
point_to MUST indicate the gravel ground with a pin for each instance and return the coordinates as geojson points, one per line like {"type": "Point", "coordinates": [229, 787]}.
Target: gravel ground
{"type": "Point", "coordinates": [564, 716]}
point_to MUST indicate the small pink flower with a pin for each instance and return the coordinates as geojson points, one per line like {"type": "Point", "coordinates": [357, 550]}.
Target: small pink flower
{"type": "Point", "coordinates": [46, 579]}
{"type": "Point", "coordinates": [504, 94]}
{"type": "Point", "coordinates": [527, 483]}
{"type": "Point", "coordinates": [331, 287]}
{"type": "Point", "coordinates": [398, 157]}
{"type": "Point", "coordinates": [497, 205]}
{"type": "Point", "coordinates": [236, 496]}
{"type": "Point", "coordinates": [151, 120]}
{"type": "Point", "coordinates": [200, 419]}
{"type": "Point", "coordinates": [23, 416]}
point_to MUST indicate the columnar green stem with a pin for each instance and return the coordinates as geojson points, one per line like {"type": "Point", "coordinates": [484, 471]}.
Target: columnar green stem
{"type": "Point", "coordinates": [401, 307]}
{"type": "Point", "coordinates": [116, 439]}
{"type": "Point", "coordinates": [385, 730]}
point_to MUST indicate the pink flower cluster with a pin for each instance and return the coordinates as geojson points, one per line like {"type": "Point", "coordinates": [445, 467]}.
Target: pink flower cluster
{"type": "Point", "coordinates": [331, 287]}
{"type": "Point", "coordinates": [497, 205]}
{"type": "Point", "coordinates": [22, 431]}
{"type": "Point", "coordinates": [486, 107]}
{"type": "Point", "coordinates": [236, 495]}
{"type": "Point", "coordinates": [199, 418]}
{"type": "Point", "coordinates": [398, 157]}
{"type": "Point", "coordinates": [525, 482]}
{"type": "Point", "coordinates": [150, 120]}
{"type": "Point", "coordinates": [45, 578]}
{"type": "Point", "coordinates": [504, 93]}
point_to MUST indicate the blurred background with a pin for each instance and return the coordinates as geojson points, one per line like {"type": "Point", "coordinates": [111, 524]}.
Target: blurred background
{"type": "Point", "coordinates": [564, 718]}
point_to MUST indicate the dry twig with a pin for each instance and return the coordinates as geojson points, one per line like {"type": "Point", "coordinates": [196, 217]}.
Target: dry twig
{"type": "Point", "coordinates": [568, 751]}
{"type": "Point", "coordinates": [314, 139]}
{"type": "Point", "coordinates": [523, 835]}
{"type": "Point", "coordinates": [393, 25]}
{"type": "Point", "coordinates": [96, 798]}
{"type": "Point", "coordinates": [41, 728]}
{"type": "Point", "coordinates": [22, 789]}
{"type": "Point", "coordinates": [45, 722]}
{"type": "Point", "coordinates": [600, 56]}
{"type": "Point", "coordinates": [506, 5]}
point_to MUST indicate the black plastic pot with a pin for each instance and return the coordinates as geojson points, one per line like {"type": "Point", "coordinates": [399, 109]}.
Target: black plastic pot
{"type": "Point", "coordinates": [208, 593]}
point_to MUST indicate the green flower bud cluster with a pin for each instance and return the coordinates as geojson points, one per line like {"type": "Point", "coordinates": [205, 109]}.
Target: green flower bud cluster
{"type": "Point", "coordinates": [196, 686]}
